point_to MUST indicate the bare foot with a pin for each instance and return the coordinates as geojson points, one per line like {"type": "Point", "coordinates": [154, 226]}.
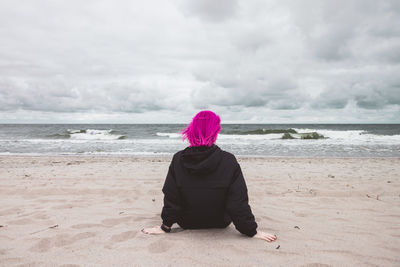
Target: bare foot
{"type": "Point", "coordinates": [156, 230]}
{"type": "Point", "coordinates": [265, 236]}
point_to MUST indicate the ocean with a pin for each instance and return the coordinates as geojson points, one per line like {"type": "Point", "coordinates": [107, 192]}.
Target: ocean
{"type": "Point", "coordinates": [270, 140]}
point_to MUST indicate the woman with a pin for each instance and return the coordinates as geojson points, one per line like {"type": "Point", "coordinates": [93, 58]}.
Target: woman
{"type": "Point", "coordinates": [204, 187]}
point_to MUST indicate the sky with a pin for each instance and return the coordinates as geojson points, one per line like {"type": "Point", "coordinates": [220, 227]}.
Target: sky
{"type": "Point", "coordinates": [250, 61]}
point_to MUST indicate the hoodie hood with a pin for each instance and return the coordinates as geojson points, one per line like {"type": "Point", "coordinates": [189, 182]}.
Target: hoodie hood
{"type": "Point", "coordinates": [201, 159]}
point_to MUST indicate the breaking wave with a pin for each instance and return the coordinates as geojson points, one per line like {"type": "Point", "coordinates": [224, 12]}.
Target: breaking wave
{"type": "Point", "coordinates": [170, 135]}
{"type": "Point", "coordinates": [89, 134]}
{"type": "Point", "coordinates": [260, 131]}
{"type": "Point", "coordinates": [259, 134]}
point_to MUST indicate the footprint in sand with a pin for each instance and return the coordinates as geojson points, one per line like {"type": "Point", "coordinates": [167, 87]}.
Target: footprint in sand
{"type": "Point", "coordinates": [65, 240]}
{"type": "Point", "coordinates": [159, 246]}
{"type": "Point", "coordinates": [115, 221]}
{"type": "Point", "coordinates": [64, 206]}
{"type": "Point", "coordinates": [126, 201]}
{"type": "Point", "coordinates": [4, 251]}
{"type": "Point", "coordinates": [86, 225]}
{"type": "Point", "coordinates": [11, 260]}
{"type": "Point", "coordinates": [4, 237]}
{"type": "Point", "coordinates": [299, 214]}
{"type": "Point", "coordinates": [153, 192]}
{"type": "Point", "coordinates": [42, 246]}
{"type": "Point", "coordinates": [21, 221]}
{"type": "Point", "coordinates": [123, 236]}
{"type": "Point", "coordinates": [316, 264]}
{"type": "Point", "coordinates": [41, 217]}
{"type": "Point", "coordinates": [46, 244]}
{"type": "Point", "coordinates": [10, 211]}
{"type": "Point", "coordinates": [270, 219]}
{"type": "Point", "coordinates": [30, 264]}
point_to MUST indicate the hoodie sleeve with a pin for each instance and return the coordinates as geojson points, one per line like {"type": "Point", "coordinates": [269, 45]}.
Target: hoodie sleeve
{"type": "Point", "coordinates": [172, 200]}
{"type": "Point", "coordinates": [238, 205]}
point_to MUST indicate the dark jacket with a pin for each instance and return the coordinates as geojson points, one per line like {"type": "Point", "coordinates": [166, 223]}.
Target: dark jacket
{"type": "Point", "coordinates": [205, 188]}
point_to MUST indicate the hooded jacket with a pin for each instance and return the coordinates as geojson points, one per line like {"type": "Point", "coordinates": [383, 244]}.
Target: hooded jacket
{"type": "Point", "coordinates": [205, 188]}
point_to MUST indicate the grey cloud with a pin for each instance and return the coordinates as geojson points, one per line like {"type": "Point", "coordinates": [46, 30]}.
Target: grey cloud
{"type": "Point", "coordinates": [369, 102]}
{"type": "Point", "coordinates": [239, 57]}
{"type": "Point", "coordinates": [377, 98]}
{"type": "Point", "coordinates": [209, 10]}
{"type": "Point", "coordinates": [127, 96]}
{"type": "Point", "coordinates": [388, 53]}
{"type": "Point", "coordinates": [378, 89]}
{"type": "Point", "coordinates": [227, 88]}
{"type": "Point", "coordinates": [333, 27]}
{"type": "Point", "coordinates": [368, 90]}
{"type": "Point", "coordinates": [335, 96]}
{"type": "Point", "coordinates": [252, 40]}
{"type": "Point", "coordinates": [220, 96]}
{"type": "Point", "coordinates": [286, 104]}
{"type": "Point", "coordinates": [331, 46]}
{"type": "Point", "coordinates": [336, 103]}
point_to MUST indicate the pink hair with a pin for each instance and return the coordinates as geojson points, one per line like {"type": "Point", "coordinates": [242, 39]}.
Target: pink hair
{"type": "Point", "coordinates": [203, 129]}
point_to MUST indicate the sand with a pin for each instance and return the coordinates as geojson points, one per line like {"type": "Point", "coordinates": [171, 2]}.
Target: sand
{"type": "Point", "coordinates": [88, 211]}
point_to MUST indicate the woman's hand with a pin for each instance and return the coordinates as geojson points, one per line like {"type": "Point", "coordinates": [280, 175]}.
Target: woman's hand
{"type": "Point", "coordinates": [265, 236]}
{"type": "Point", "coordinates": [156, 230]}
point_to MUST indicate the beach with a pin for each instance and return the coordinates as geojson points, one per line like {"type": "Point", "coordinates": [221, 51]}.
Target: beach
{"type": "Point", "coordinates": [89, 210]}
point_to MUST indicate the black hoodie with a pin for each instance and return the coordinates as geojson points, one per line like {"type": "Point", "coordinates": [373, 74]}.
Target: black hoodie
{"type": "Point", "coordinates": [205, 188]}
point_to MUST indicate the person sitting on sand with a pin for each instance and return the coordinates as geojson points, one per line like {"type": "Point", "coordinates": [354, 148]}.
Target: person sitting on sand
{"type": "Point", "coordinates": [204, 187]}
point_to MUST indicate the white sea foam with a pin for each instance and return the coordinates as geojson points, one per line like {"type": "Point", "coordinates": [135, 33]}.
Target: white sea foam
{"type": "Point", "coordinates": [153, 141]}
{"type": "Point", "coordinates": [128, 152]}
{"type": "Point", "coordinates": [231, 136]}
{"type": "Point", "coordinates": [96, 140]}
{"type": "Point", "coordinates": [72, 131]}
{"type": "Point", "coordinates": [249, 136]}
{"type": "Point", "coordinates": [170, 135]}
{"type": "Point", "coordinates": [353, 136]}
{"type": "Point", "coordinates": [94, 134]}
{"type": "Point", "coordinates": [331, 137]}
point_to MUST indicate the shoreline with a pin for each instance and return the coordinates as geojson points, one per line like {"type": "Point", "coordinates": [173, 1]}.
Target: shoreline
{"type": "Point", "coordinates": [170, 156]}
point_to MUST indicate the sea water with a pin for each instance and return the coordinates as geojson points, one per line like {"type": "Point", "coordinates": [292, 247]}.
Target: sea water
{"type": "Point", "coordinates": [331, 140]}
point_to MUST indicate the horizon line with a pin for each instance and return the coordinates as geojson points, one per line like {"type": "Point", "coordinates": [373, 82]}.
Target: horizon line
{"type": "Point", "coordinates": [227, 123]}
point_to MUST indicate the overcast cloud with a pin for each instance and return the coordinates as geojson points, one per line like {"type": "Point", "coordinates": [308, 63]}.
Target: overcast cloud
{"type": "Point", "coordinates": [163, 61]}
